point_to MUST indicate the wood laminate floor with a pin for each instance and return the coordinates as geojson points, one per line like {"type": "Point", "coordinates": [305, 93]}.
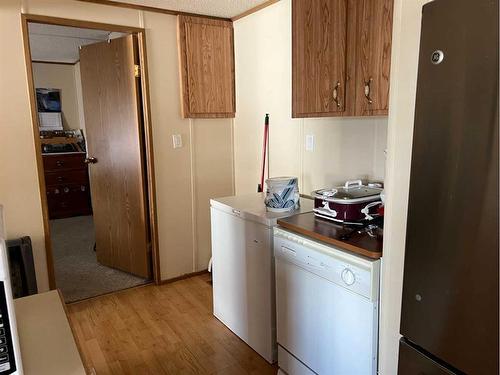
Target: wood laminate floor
{"type": "Point", "coordinates": [167, 329]}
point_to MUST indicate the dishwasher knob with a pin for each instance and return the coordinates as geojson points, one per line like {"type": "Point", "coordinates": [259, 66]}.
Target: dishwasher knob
{"type": "Point", "coordinates": [348, 277]}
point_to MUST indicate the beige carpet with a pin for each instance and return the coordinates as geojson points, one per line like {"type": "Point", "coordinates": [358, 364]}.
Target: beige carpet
{"type": "Point", "coordinates": [77, 272]}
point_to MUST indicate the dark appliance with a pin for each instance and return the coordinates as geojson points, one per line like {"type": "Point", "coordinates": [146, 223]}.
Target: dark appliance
{"type": "Point", "coordinates": [450, 320]}
{"type": "Point", "coordinates": [62, 141]}
{"type": "Point", "coordinates": [349, 204]}
{"type": "Point", "coordinates": [58, 148]}
{"type": "Point", "coordinates": [21, 267]}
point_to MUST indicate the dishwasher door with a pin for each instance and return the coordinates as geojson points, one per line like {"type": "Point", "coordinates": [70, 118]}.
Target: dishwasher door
{"type": "Point", "coordinates": [329, 328]}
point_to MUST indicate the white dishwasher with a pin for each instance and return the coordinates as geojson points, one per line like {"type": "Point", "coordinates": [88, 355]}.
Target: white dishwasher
{"type": "Point", "coordinates": [327, 308]}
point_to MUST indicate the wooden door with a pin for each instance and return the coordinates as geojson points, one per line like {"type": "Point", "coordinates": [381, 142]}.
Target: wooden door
{"type": "Point", "coordinates": [318, 57]}
{"type": "Point", "coordinates": [111, 99]}
{"type": "Point", "coordinates": [207, 67]}
{"type": "Point", "coordinates": [374, 41]}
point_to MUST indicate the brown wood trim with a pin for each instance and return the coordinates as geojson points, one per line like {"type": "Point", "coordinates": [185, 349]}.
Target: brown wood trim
{"type": "Point", "coordinates": [254, 9]}
{"type": "Point", "coordinates": [318, 114]}
{"type": "Point", "coordinates": [148, 8]}
{"type": "Point", "coordinates": [206, 21]}
{"type": "Point", "coordinates": [329, 240]}
{"type": "Point", "coordinates": [54, 62]}
{"type": "Point", "coordinates": [183, 277]}
{"type": "Point", "coordinates": [212, 115]}
{"type": "Point", "coordinates": [38, 154]}
{"type": "Point", "coordinates": [148, 143]}
{"type": "Point", "coordinates": [147, 127]}
{"type": "Point", "coordinates": [376, 112]}
{"type": "Point", "coordinates": [34, 18]}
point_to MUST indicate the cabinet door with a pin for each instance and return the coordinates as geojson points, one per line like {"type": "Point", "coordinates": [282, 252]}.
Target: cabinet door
{"type": "Point", "coordinates": [318, 57]}
{"type": "Point", "coordinates": [374, 24]}
{"type": "Point", "coordinates": [207, 67]}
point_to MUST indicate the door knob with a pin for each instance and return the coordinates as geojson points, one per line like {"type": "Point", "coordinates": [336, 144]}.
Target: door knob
{"type": "Point", "coordinates": [90, 160]}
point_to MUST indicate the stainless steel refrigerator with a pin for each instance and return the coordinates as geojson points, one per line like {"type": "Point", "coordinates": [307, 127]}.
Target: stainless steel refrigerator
{"type": "Point", "coordinates": [450, 321]}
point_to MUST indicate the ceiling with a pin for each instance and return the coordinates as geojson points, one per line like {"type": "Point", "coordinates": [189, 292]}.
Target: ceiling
{"type": "Point", "coordinates": [218, 8]}
{"type": "Point", "coordinates": [60, 43]}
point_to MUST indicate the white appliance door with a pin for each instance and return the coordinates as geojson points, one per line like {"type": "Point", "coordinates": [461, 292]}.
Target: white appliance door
{"type": "Point", "coordinates": [329, 328]}
{"type": "Point", "coordinates": [243, 286]}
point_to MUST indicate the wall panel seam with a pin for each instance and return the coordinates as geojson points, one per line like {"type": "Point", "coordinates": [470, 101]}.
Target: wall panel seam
{"type": "Point", "coordinates": [194, 200]}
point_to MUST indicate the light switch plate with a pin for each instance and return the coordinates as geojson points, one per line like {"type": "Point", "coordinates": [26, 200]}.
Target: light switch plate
{"type": "Point", "coordinates": [177, 140]}
{"type": "Point", "coordinates": [309, 142]}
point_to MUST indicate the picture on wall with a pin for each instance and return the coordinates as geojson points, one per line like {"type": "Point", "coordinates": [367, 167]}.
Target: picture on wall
{"type": "Point", "coordinates": [48, 100]}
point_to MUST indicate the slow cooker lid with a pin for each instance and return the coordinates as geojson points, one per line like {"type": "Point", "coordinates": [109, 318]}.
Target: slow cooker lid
{"type": "Point", "coordinates": [350, 191]}
{"type": "Point", "coordinates": [353, 193]}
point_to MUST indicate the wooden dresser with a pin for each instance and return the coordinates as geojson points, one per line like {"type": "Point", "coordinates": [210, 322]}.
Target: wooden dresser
{"type": "Point", "coordinates": [67, 185]}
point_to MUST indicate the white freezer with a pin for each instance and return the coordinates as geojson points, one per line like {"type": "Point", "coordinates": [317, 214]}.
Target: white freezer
{"type": "Point", "coordinates": [243, 268]}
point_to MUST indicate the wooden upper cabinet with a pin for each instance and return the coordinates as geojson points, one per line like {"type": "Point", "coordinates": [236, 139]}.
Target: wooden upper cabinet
{"type": "Point", "coordinates": [374, 40]}
{"type": "Point", "coordinates": [318, 57]}
{"type": "Point", "coordinates": [206, 54]}
{"type": "Point", "coordinates": [341, 53]}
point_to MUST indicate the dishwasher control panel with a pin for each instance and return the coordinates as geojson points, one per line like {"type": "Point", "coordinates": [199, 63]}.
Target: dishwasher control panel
{"type": "Point", "coordinates": [353, 272]}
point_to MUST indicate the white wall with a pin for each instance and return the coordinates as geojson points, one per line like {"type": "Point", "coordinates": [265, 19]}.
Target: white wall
{"type": "Point", "coordinates": [182, 197]}
{"type": "Point", "coordinates": [19, 190]}
{"type": "Point", "coordinates": [406, 39]}
{"type": "Point", "coordinates": [345, 148]}
{"type": "Point", "coordinates": [79, 95]}
{"type": "Point", "coordinates": [182, 192]}
{"type": "Point", "coordinates": [62, 77]}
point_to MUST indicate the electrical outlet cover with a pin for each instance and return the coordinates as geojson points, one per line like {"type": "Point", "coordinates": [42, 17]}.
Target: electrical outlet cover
{"type": "Point", "coordinates": [309, 142]}
{"type": "Point", "coordinates": [177, 140]}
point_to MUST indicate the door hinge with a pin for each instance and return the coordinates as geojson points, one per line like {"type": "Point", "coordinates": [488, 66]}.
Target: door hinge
{"type": "Point", "coordinates": [137, 71]}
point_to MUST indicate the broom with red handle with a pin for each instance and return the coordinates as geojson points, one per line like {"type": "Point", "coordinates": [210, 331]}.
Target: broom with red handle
{"type": "Point", "coordinates": [260, 187]}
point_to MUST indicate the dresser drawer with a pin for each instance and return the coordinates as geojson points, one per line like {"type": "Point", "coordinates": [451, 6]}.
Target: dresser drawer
{"type": "Point", "coordinates": [59, 162]}
{"type": "Point", "coordinates": [68, 200]}
{"type": "Point", "coordinates": [70, 190]}
{"type": "Point", "coordinates": [75, 176]}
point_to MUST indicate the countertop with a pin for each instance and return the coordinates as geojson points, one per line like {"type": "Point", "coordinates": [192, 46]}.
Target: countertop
{"type": "Point", "coordinates": [326, 231]}
{"type": "Point", "coordinates": [252, 207]}
{"type": "Point", "coordinates": [45, 337]}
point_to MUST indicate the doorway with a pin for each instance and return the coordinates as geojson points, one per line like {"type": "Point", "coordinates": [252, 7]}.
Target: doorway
{"type": "Point", "coordinates": [89, 99]}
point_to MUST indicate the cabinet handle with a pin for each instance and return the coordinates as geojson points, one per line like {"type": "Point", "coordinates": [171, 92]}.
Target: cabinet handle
{"type": "Point", "coordinates": [59, 163]}
{"type": "Point", "coordinates": [336, 95]}
{"type": "Point", "coordinates": [368, 90]}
